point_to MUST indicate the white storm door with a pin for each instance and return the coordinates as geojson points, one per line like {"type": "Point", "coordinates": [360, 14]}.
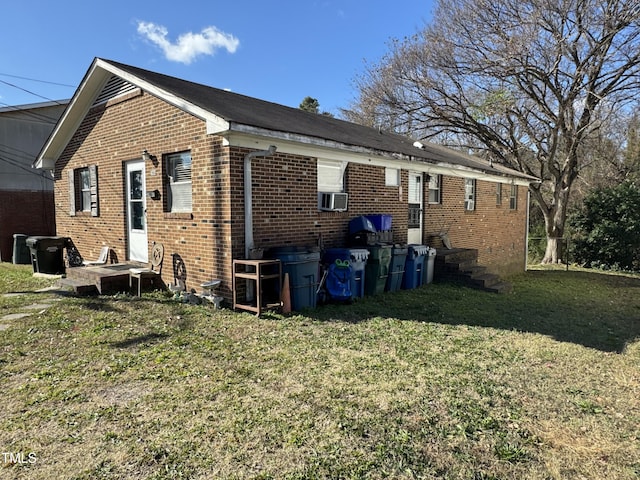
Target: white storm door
{"type": "Point", "coordinates": [415, 198]}
{"type": "Point", "coordinates": [136, 212]}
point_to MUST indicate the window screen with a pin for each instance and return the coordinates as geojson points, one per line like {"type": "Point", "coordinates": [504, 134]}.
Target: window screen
{"type": "Point", "coordinates": [179, 182]}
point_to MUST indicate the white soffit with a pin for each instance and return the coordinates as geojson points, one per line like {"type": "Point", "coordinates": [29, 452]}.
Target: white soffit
{"type": "Point", "coordinates": [315, 148]}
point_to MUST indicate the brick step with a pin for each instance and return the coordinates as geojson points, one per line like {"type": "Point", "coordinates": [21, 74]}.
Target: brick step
{"type": "Point", "coordinates": [501, 287]}
{"type": "Point", "coordinates": [466, 267]}
{"type": "Point", "coordinates": [461, 266]}
{"type": "Point", "coordinates": [456, 255]}
{"type": "Point", "coordinates": [485, 280]}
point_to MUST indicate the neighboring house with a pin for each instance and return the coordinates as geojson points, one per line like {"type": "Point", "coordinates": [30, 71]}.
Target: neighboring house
{"type": "Point", "coordinates": [223, 173]}
{"type": "Point", "coordinates": [26, 194]}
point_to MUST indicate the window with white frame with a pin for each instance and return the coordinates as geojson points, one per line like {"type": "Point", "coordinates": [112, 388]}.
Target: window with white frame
{"type": "Point", "coordinates": [391, 177]}
{"type": "Point", "coordinates": [513, 197]}
{"type": "Point", "coordinates": [498, 194]}
{"type": "Point", "coordinates": [331, 186]}
{"type": "Point", "coordinates": [435, 189]}
{"type": "Point", "coordinates": [179, 198]}
{"type": "Point", "coordinates": [469, 194]}
{"type": "Point", "coordinates": [331, 176]}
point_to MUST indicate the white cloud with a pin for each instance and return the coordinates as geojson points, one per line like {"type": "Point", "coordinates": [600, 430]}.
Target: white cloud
{"type": "Point", "coordinates": [189, 45]}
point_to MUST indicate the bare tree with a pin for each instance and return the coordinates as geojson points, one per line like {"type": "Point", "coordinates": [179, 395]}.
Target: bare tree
{"type": "Point", "coordinates": [527, 82]}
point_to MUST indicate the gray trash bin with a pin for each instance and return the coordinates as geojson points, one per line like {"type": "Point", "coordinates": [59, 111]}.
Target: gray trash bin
{"type": "Point", "coordinates": [21, 255]}
{"type": "Point", "coordinates": [430, 261]}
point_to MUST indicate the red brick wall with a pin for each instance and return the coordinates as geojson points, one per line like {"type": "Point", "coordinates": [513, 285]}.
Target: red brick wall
{"type": "Point", "coordinates": [284, 197]}
{"type": "Point", "coordinates": [285, 203]}
{"type": "Point", "coordinates": [26, 212]}
{"type": "Point", "coordinates": [109, 137]}
{"type": "Point", "coordinates": [496, 231]}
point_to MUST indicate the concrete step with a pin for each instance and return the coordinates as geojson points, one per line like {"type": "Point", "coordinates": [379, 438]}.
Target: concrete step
{"type": "Point", "coordinates": [79, 287]}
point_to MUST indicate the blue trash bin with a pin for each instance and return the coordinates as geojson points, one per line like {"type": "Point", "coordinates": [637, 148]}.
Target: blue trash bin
{"type": "Point", "coordinates": [302, 265]}
{"type": "Point", "coordinates": [414, 275]}
{"type": "Point", "coordinates": [357, 257]}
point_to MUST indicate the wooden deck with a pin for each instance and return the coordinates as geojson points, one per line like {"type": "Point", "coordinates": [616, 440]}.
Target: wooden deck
{"type": "Point", "coordinates": [101, 279]}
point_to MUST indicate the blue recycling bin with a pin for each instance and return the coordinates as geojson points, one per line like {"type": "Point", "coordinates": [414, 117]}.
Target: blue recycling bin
{"type": "Point", "coordinates": [357, 257]}
{"type": "Point", "coordinates": [396, 268]}
{"type": "Point", "coordinates": [302, 265]}
{"type": "Point", "coordinates": [414, 266]}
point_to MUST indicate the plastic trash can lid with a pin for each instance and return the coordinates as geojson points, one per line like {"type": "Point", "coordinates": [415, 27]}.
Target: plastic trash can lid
{"type": "Point", "coordinates": [419, 249]}
{"type": "Point", "coordinates": [359, 254]}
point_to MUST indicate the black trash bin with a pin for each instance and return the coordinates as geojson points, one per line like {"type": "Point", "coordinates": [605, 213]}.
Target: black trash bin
{"type": "Point", "coordinates": [21, 255]}
{"type": "Point", "coordinates": [46, 254]}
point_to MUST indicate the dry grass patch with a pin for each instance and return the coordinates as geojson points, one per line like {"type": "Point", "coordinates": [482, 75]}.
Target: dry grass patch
{"type": "Point", "coordinates": [440, 382]}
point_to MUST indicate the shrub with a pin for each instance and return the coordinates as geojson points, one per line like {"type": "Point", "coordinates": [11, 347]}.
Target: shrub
{"type": "Point", "coordinates": [607, 228]}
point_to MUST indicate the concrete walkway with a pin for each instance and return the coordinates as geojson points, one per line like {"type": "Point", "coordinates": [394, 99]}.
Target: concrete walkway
{"type": "Point", "coordinates": [26, 310]}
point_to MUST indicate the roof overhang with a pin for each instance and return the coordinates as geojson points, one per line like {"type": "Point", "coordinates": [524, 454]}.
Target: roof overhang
{"type": "Point", "coordinates": [243, 135]}
{"type": "Point", "coordinates": [92, 84]}
{"type": "Point", "coordinates": [256, 138]}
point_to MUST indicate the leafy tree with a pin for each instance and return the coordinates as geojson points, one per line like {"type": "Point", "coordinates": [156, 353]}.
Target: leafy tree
{"type": "Point", "coordinates": [529, 83]}
{"type": "Point", "coordinates": [310, 104]}
{"type": "Point", "coordinates": [607, 228]}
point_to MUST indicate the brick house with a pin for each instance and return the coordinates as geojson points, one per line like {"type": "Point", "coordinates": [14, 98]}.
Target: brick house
{"type": "Point", "coordinates": [222, 173]}
{"type": "Point", "coordinates": [23, 131]}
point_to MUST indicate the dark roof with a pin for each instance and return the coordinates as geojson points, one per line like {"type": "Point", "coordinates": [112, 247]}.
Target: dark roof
{"type": "Point", "coordinates": [244, 110]}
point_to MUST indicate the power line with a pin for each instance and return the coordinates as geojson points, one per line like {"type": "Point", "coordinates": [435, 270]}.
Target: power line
{"type": "Point", "coordinates": [30, 92]}
{"type": "Point", "coordinates": [31, 171]}
{"type": "Point", "coordinates": [30, 113]}
{"type": "Point", "coordinates": [36, 80]}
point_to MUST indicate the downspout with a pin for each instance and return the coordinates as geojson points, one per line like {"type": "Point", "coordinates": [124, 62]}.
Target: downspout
{"type": "Point", "coordinates": [526, 233]}
{"type": "Point", "coordinates": [248, 196]}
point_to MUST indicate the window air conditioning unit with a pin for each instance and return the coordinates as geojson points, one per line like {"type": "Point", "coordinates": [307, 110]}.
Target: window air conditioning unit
{"type": "Point", "coordinates": [332, 201]}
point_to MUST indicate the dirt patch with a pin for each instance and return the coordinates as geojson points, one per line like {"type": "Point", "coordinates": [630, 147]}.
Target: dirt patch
{"type": "Point", "coordinates": [121, 395]}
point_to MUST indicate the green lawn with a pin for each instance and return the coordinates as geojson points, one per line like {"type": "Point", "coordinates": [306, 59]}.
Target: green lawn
{"type": "Point", "coordinates": [438, 382]}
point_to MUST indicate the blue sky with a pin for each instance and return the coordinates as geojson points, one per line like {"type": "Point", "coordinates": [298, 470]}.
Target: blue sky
{"type": "Point", "coordinates": [279, 50]}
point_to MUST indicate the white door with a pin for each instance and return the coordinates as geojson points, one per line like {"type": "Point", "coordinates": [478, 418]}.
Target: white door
{"type": "Point", "coordinates": [415, 198]}
{"type": "Point", "coordinates": [136, 212]}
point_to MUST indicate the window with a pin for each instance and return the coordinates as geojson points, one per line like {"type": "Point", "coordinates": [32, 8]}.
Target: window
{"type": "Point", "coordinates": [178, 167]}
{"type": "Point", "coordinates": [391, 177]}
{"type": "Point", "coordinates": [469, 194]}
{"type": "Point", "coordinates": [498, 194]}
{"type": "Point", "coordinates": [83, 190]}
{"type": "Point", "coordinates": [331, 176]}
{"type": "Point", "coordinates": [513, 197]}
{"type": "Point", "coordinates": [84, 187]}
{"type": "Point", "coordinates": [435, 189]}
{"type": "Point", "coordinates": [331, 196]}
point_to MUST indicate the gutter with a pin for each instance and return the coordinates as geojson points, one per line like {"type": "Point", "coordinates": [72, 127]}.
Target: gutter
{"type": "Point", "coordinates": [248, 197]}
